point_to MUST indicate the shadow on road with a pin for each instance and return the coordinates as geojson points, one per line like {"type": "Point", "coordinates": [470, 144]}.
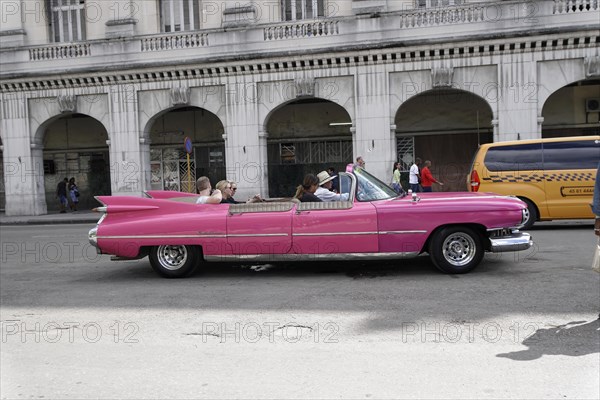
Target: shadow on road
{"type": "Point", "coordinates": [571, 339]}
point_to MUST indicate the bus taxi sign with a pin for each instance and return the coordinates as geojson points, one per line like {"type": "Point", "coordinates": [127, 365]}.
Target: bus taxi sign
{"type": "Point", "coordinates": [187, 142]}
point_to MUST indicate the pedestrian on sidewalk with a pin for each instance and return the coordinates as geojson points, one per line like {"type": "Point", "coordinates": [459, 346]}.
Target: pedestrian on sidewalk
{"type": "Point", "coordinates": [73, 194]}
{"type": "Point", "coordinates": [427, 180]}
{"type": "Point", "coordinates": [61, 193]}
{"type": "Point", "coordinates": [396, 185]}
{"type": "Point", "coordinates": [414, 176]}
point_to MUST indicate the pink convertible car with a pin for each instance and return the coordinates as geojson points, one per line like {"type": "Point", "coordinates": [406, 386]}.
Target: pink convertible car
{"type": "Point", "coordinates": [178, 235]}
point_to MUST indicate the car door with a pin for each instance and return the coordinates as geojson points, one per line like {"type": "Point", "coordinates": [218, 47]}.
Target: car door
{"type": "Point", "coordinates": [260, 229]}
{"type": "Point", "coordinates": [341, 227]}
{"type": "Point", "coordinates": [570, 170]}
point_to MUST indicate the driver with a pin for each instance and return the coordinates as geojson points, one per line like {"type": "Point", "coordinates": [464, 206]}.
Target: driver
{"type": "Point", "coordinates": [324, 191]}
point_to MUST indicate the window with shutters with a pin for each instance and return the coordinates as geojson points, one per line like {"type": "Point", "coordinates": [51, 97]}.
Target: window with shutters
{"type": "Point", "coordinates": [294, 10]}
{"type": "Point", "coordinates": [67, 20]}
{"type": "Point", "coordinates": [179, 15]}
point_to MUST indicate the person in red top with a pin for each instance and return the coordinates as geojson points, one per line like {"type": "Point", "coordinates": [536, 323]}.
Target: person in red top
{"type": "Point", "coordinates": [427, 179]}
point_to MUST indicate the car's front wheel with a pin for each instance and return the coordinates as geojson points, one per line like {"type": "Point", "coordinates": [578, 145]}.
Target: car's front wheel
{"type": "Point", "coordinates": [531, 214]}
{"type": "Point", "coordinates": [456, 250]}
{"type": "Point", "coordinates": [174, 261]}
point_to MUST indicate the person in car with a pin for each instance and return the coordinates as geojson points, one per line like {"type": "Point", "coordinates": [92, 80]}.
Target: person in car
{"type": "Point", "coordinates": [324, 191]}
{"type": "Point", "coordinates": [207, 195]}
{"type": "Point", "coordinates": [306, 191]}
{"type": "Point", "coordinates": [226, 188]}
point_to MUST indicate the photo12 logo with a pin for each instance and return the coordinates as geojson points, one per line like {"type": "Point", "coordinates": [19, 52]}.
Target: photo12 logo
{"type": "Point", "coordinates": [68, 332]}
{"type": "Point", "coordinates": [253, 332]}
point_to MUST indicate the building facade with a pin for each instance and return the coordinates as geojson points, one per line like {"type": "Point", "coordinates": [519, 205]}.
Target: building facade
{"type": "Point", "coordinates": [267, 90]}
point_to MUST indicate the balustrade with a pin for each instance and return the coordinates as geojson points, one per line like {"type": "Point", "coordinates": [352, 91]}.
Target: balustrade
{"type": "Point", "coordinates": [59, 52]}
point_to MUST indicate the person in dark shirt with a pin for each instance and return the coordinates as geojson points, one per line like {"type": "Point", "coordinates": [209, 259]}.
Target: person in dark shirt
{"type": "Point", "coordinates": [226, 188]}
{"type": "Point", "coordinates": [335, 186]}
{"type": "Point", "coordinates": [306, 192]}
{"type": "Point", "coordinates": [61, 193]}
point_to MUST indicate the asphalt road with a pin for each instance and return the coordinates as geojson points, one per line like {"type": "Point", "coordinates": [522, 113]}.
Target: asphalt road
{"type": "Point", "coordinates": [77, 325]}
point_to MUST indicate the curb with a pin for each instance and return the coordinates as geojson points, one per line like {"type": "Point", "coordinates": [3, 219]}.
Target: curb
{"type": "Point", "coordinates": [48, 222]}
{"type": "Point", "coordinates": [50, 219]}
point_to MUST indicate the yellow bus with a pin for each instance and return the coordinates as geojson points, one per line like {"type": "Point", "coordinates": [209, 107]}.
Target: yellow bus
{"type": "Point", "coordinates": [555, 177]}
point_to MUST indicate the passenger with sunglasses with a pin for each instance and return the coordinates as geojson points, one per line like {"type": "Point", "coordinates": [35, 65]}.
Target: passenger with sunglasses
{"type": "Point", "coordinates": [228, 189]}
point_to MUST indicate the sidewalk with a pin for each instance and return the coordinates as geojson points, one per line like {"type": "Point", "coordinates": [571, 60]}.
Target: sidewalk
{"type": "Point", "coordinates": [77, 217]}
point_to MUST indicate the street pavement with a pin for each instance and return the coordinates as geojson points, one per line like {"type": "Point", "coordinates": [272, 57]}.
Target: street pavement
{"type": "Point", "coordinates": [76, 325]}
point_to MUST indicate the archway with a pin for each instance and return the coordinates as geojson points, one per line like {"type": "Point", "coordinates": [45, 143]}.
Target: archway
{"type": "Point", "coordinates": [306, 136]}
{"type": "Point", "coordinates": [75, 147]}
{"type": "Point", "coordinates": [168, 157]}
{"type": "Point", "coordinates": [573, 110]}
{"type": "Point", "coordinates": [445, 126]}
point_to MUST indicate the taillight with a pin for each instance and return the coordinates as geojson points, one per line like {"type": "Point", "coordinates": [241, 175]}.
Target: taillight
{"type": "Point", "coordinates": [475, 181]}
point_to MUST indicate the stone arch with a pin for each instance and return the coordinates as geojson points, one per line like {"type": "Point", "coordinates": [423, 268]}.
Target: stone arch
{"type": "Point", "coordinates": [554, 75]}
{"type": "Point", "coordinates": [271, 96]}
{"type": "Point", "coordinates": [466, 119]}
{"type": "Point", "coordinates": [167, 131]}
{"type": "Point", "coordinates": [44, 111]}
{"type": "Point", "coordinates": [572, 110]}
{"type": "Point", "coordinates": [73, 145]}
{"type": "Point", "coordinates": [297, 145]}
{"type": "Point", "coordinates": [154, 103]}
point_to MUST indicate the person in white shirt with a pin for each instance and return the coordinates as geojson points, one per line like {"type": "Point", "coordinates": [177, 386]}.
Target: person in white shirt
{"type": "Point", "coordinates": [414, 176]}
{"type": "Point", "coordinates": [324, 190]}
{"type": "Point", "coordinates": [204, 189]}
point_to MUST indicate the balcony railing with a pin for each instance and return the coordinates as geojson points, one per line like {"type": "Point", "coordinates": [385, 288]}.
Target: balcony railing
{"type": "Point", "coordinates": [571, 6]}
{"type": "Point", "coordinates": [302, 30]}
{"type": "Point", "coordinates": [443, 16]}
{"type": "Point", "coordinates": [171, 42]}
{"type": "Point", "coordinates": [59, 52]}
{"type": "Point", "coordinates": [467, 21]}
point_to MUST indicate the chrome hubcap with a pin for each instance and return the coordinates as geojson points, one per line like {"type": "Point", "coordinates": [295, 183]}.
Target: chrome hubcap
{"type": "Point", "coordinates": [172, 257]}
{"type": "Point", "coordinates": [459, 249]}
{"type": "Point", "coordinates": [526, 216]}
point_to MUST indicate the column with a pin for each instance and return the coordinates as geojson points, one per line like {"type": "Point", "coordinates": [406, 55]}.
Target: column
{"type": "Point", "coordinates": [373, 140]}
{"type": "Point", "coordinates": [517, 102]}
{"type": "Point", "coordinates": [245, 143]}
{"type": "Point", "coordinates": [23, 161]}
{"type": "Point", "coordinates": [127, 156]}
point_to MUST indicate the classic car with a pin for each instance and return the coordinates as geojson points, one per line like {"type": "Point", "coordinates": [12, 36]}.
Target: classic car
{"type": "Point", "coordinates": [177, 234]}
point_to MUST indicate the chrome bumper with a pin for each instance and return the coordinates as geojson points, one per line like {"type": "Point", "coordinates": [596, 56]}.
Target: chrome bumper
{"type": "Point", "coordinates": [93, 237]}
{"type": "Point", "coordinates": [516, 241]}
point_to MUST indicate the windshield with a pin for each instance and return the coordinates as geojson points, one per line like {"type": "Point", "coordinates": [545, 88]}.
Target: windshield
{"type": "Point", "coordinates": [370, 188]}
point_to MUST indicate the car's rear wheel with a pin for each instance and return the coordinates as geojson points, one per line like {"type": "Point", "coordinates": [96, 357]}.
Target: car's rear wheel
{"type": "Point", "coordinates": [174, 261]}
{"type": "Point", "coordinates": [456, 250]}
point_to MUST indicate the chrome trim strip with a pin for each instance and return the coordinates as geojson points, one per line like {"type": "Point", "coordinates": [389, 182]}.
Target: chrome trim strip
{"type": "Point", "coordinates": [334, 233]}
{"type": "Point", "coordinates": [242, 235]}
{"type": "Point", "coordinates": [466, 198]}
{"type": "Point", "coordinates": [102, 218]}
{"type": "Point", "coordinates": [401, 232]}
{"type": "Point", "coordinates": [515, 242]}
{"type": "Point", "coordinates": [162, 237]}
{"type": "Point", "coordinates": [236, 235]}
{"type": "Point", "coordinates": [305, 257]}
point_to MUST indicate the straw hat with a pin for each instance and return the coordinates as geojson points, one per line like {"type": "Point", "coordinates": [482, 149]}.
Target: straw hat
{"type": "Point", "coordinates": [324, 177]}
